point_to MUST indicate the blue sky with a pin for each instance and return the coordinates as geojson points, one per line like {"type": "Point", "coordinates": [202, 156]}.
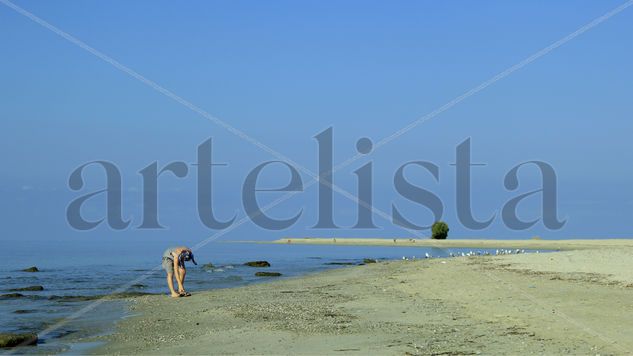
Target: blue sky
{"type": "Point", "coordinates": [284, 71]}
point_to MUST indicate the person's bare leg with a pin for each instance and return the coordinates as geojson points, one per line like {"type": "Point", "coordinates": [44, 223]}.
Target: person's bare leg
{"type": "Point", "coordinates": [170, 284]}
{"type": "Point", "coordinates": [183, 273]}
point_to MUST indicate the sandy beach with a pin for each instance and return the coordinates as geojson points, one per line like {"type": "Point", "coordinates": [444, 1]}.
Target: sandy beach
{"type": "Point", "coordinates": [576, 301]}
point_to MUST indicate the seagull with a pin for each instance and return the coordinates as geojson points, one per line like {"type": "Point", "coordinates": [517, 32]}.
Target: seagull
{"type": "Point", "coordinates": [426, 255]}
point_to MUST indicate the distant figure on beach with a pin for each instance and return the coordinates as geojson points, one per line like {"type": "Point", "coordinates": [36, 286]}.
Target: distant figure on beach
{"type": "Point", "coordinates": [174, 264]}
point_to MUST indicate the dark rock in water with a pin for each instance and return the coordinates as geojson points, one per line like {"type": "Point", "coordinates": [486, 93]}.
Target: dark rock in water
{"type": "Point", "coordinates": [267, 274]}
{"type": "Point", "coordinates": [21, 296]}
{"type": "Point", "coordinates": [24, 311]}
{"type": "Point", "coordinates": [138, 286]}
{"type": "Point", "coordinates": [83, 298]}
{"type": "Point", "coordinates": [28, 289]}
{"type": "Point", "coordinates": [340, 263]}
{"type": "Point", "coordinates": [31, 269]}
{"type": "Point", "coordinates": [208, 266]}
{"type": "Point", "coordinates": [257, 264]}
{"type": "Point", "coordinates": [368, 260]}
{"type": "Point", "coordinates": [12, 340]}
{"type": "Point", "coordinates": [72, 298]}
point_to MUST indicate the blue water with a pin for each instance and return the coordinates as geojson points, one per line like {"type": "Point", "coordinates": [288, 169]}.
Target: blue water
{"type": "Point", "coordinates": [88, 272]}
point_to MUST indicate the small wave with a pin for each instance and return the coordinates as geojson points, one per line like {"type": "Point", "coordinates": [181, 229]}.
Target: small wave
{"type": "Point", "coordinates": [10, 296]}
{"type": "Point", "coordinates": [229, 279]}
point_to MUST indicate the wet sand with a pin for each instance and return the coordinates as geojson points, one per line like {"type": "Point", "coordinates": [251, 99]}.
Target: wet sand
{"type": "Point", "coordinates": [577, 301]}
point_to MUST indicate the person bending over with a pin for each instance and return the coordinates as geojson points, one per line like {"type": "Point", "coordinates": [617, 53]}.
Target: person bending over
{"type": "Point", "coordinates": [174, 264]}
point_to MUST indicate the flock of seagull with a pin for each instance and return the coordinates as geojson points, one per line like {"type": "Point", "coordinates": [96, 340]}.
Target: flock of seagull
{"type": "Point", "coordinates": [475, 253]}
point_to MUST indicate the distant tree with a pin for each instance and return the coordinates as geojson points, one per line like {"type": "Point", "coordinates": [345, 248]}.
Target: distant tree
{"type": "Point", "coordinates": [439, 230]}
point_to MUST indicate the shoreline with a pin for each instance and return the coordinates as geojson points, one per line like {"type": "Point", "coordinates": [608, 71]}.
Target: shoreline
{"type": "Point", "coordinates": [531, 244]}
{"type": "Point", "coordinates": [574, 301]}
